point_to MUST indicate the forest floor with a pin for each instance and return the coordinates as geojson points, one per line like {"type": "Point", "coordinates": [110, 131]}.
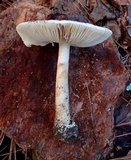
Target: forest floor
{"type": "Point", "coordinates": [121, 27]}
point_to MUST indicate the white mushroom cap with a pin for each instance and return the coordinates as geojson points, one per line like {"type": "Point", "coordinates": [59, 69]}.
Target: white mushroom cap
{"type": "Point", "coordinates": [78, 34]}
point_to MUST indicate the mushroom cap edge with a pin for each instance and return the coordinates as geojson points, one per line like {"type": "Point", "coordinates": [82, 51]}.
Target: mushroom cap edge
{"type": "Point", "coordinates": [43, 32]}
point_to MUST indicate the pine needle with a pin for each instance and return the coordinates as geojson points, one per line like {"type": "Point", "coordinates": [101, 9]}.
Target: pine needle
{"type": "Point", "coordinates": [2, 135]}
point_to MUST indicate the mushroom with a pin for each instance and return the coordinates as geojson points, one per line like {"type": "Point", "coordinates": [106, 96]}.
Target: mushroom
{"type": "Point", "coordinates": [67, 33]}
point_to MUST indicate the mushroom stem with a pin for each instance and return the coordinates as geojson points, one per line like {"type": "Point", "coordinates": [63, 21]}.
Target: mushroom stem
{"type": "Point", "coordinates": [65, 129]}
{"type": "Point", "coordinates": [62, 93]}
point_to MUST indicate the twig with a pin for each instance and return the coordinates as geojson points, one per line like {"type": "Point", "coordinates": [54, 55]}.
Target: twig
{"type": "Point", "coordinates": [2, 135]}
{"type": "Point", "coordinates": [77, 6]}
{"type": "Point", "coordinates": [122, 124]}
{"type": "Point", "coordinates": [124, 99]}
{"type": "Point", "coordinates": [129, 103]}
{"type": "Point", "coordinates": [6, 154]}
{"type": "Point", "coordinates": [122, 135]}
{"type": "Point", "coordinates": [11, 149]}
{"type": "Point", "coordinates": [5, 157]}
{"type": "Point", "coordinates": [25, 154]}
{"type": "Point", "coordinates": [3, 149]}
{"type": "Point", "coordinates": [14, 151]}
{"type": "Point", "coordinates": [85, 9]}
{"type": "Point", "coordinates": [83, 6]}
{"type": "Point", "coordinates": [120, 46]}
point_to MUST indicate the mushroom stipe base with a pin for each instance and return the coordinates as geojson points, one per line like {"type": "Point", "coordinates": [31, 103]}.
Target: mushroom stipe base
{"type": "Point", "coordinates": [66, 132]}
